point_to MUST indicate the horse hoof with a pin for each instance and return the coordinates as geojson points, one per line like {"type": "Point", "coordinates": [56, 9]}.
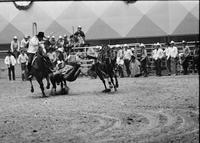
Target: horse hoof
{"type": "Point", "coordinates": [107, 90]}
{"type": "Point", "coordinates": [44, 95]}
{"type": "Point", "coordinates": [32, 90]}
{"type": "Point", "coordinates": [53, 91]}
{"type": "Point", "coordinates": [48, 86]}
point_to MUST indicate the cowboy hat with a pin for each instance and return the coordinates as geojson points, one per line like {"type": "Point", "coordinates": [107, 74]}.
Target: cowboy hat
{"type": "Point", "coordinates": [41, 34]}
{"type": "Point", "coordinates": [15, 37]}
{"type": "Point", "coordinates": [142, 45]}
{"type": "Point", "coordinates": [172, 42]}
{"type": "Point", "coordinates": [184, 42]}
{"type": "Point", "coordinates": [158, 44]}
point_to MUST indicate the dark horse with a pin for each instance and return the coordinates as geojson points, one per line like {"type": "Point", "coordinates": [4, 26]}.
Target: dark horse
{"type": "Point", "coordinates": [40, 70]}
{"type": "Point", "coordinates": [71, 75]}
{"type": "Point", "coordinates": [105, 67]}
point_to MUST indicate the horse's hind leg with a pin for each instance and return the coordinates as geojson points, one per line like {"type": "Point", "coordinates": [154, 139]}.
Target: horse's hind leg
{"type": "Point", "coordinates": [116, 81]}
{"type": "Point", "coordinates": [53, 82]}
{"type": "Point", "coordinates": [32, 89]}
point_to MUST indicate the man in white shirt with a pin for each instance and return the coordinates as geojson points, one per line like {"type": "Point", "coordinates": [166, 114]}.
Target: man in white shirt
{"type": "Point", "coordinates": [120, 60]}
{"type": "Point", "coordinates": [34, 44]}
{"type": "Point", "coordinates": [24, 43]}
{"type": "Point", "coordinates": [174, 55]}
{"type": "Point", "coordinates": [23, 60]}
{"type": "Point", "coordinates": [10, 61]}
{"type": "Point", "coordinates": [15, 46]}
{"type": "Point", "coordinates": [143, 60]}
{"type": "Point", "coordinates": [159, 56]}
{"type": "Point", "coordinates": [127, 58]}
{"type": "Point", "coordinates": [168, 58]}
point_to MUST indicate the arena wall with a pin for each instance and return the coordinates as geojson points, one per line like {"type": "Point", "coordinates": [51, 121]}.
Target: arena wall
{"type": "Point", "coordinates": [101, 20]}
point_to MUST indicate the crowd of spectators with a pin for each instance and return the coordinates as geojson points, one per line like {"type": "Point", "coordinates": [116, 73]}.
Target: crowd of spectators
{"type": "Point", "coordinates": [134, 61]}
{"type": "Point", "coordinates": [131, 62]}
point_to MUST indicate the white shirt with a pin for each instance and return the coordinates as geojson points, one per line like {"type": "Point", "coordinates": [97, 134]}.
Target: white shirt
{"type": "Point", "coordinates": [174, 52]}
{"type": "Point", "coordinates": [154, 54]}
{"type": "Point", "coordinates": [24, 43]}
{"type": "Point", "coordinates": [167, 52]}
{"type": "Point", "coordinates": [10, 60]}
{"type": "Point", "coordinates": [14, 46]}
{"type": "Point", "coordinates": [33, 45]}
{"type": "Point", "coordinates": [22, 58]}
{"type": "Point", "coordinates": [127, 54]}
{"type": "Point", "coordinates": [160, 53]}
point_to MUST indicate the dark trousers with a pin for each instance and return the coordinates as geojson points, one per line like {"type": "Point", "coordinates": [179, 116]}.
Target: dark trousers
{"type": "Point", "coordinates": [174, 65]}
{"type": "Point", "coordinates": [144, 67]}
{"type": "Point", "coordinates": [185, 65]}
{"type": "Point", "coordinates": [168, 65]}
{"type": "Point", "coordinates": [127, 65]}
{"type": "Point", "coordinates": [158, 67]}
{"type": "Point", "coordinates": [11, 69]}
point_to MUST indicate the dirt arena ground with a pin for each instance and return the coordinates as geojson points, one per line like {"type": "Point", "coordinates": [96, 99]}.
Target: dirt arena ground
{"type": "Point", "coordinates": [148, 110]}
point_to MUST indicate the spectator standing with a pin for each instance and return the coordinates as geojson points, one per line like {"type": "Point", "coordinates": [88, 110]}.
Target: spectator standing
{"type": "Point", "coordinates": [15, 46]}
{"type": "Point", "coordinates": [186, 55]}
{"type": "Point", "coordinates": [196, 58]}
{"type": "Point", "coordinates": [127, 58]}
{"type": "Point", "coordinates": [60, 43]}
{"type": "Point", "coordinates": [53, 42]}
{"type": "Point", "coordinates": [23, 60]}
{"type": "Point", "coordinates": [79, 32]}
{"type": "Point", "coordinates": [143, 60]}
{"type": "Point", "coordinates": [159, 59]}
{"type": "Point", "coordinates": [155, 57]}
{"type": "Point", "coordinates": [120, 60]}
{"type": "Point", "coordinates": [10, 61]}
{"type": "Point", "coordinates": [174, 55]}
{"type": "Point", "coordinates": [167, 53]}
{"type": "Point", "coordinates": [24, 43]}
{"type": "Point", "coordinates": [134, 67]}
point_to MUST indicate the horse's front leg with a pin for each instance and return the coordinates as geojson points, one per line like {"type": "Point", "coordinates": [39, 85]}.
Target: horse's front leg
{"type": "Point", "coordinates": [41, 87]}
{"type": "Point", "coordinates": [102, 79]}
{"type": "Point", "coordinates": [48, 82]}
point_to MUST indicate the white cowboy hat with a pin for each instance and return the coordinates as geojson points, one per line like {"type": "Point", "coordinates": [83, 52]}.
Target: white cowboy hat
{"type": "Point", "coordinates": [15, 37]}
{"type": "Point", "coordinates": [53, 37]}
{"type": "Point", "coordinates": [132, 49]}
{"type": "Point", "coordinates": [172, 42]}
{"type": "Point", "coordinates": [158, 44]}
{"type": "Point", "coordinates": [142, 45]}
{"type": "Point", "coordinates": [60, 37]}
{"type": "Point", "coordinates": [125, 45]}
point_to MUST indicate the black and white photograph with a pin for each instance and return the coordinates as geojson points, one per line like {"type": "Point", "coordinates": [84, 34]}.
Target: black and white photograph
{"type": "Point", "coordinates": [78, 71]}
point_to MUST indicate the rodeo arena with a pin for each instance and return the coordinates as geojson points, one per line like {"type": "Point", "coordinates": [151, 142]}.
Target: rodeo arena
{"type": "Point", "coordinates": [99, 71]}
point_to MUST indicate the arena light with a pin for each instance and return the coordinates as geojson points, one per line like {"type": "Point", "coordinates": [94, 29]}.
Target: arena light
{"type": "Point", "coordinates": [23, 5]}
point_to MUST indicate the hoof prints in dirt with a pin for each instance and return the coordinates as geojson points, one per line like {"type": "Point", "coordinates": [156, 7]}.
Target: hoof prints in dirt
{"type": "Point", "coordinates": [140, 126]}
